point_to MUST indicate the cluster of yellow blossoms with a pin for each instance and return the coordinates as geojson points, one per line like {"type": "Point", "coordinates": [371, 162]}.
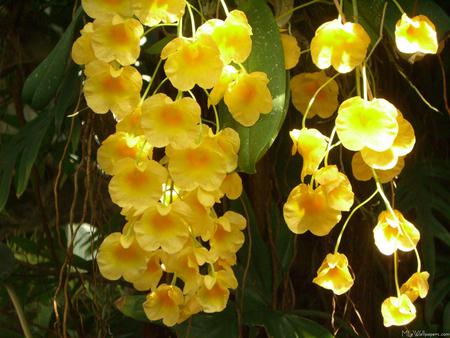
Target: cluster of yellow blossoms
{"type": "Point", "coordinates": [380, 137]}
{"type": "Point", "coordinates": [168, 169]}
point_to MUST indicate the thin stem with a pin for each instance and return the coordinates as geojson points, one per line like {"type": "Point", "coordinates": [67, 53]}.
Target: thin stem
{"type": "Point", "coordinates": [216, 114]}
{"type": "Point", "coordinates": [380, 34]}
{"type": "Point", "coordinates": [159, 85]}
{"type": "Point", "coordinates": [311, 101]}
{"type": "Point", "coordinates": [199, 12]}
{"type": "Point", "coordinates": [364, 77]}
{"type": "Point", "coordinates": [180, 28]}
{"type": "Point", "coordinates": [338, 5]}
{"type": "Point", "coordinates": [305, 51]}
{"type": "Point", "coordinates": [330, 141]}
{"type": "Point", "coordinates": [355, 10]}
{"type": "Point", "coordinates": [19, 311]}
{"type": "Point", "coordinates": [225, 8]}
{"type": "Point", "coordinates": [358, 80]}
{"type": "Point", "coordinates": [157, 26]}
{"type": "Point", "coordinates": [398, 6]}
{"type": "Point", "coordinates": [191, 16]}
{"type": "Point", "coordinates": [397, 287]}
{"type": "Point", "coordinates": [292, 10]}
{"type": "Point", "coordinates": [338, 242]}
{"type": "Point", "coordinates": [151, 80]}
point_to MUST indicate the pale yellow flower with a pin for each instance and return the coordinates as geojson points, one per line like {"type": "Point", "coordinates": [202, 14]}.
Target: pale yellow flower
{"type": "Point", "coordinates": [184, 264]}
{"type": "Point", "coordinates": [232, 36]}
{"type": "Point", "coordinates": [394, 232]}
{"type": "Point", "coordinates": [117, 39]}
{"type": "Point", "coordinates": [228, 237]}
{"type": "Point", "coordinates": [311, 144]}
{"type": "Point", "coordinates": [82, 52]}
{"type": "Point", "coordinates": [416, 285]}
{"type": "Point", "coordinates": [362, 172]}
{"type": "Point", "coordinates": [398, 311]}
{"type": "Point", "coordinates": [163, 227]}
{"type": "Point", "coordinates": [115, 261]}
{"type": "Point", "coordinates": [137, 185]}
{"type": "Point", "coordinates": [371, 124]}
{"type": "Point", "coordinates": [248, 97]}
{"type": "Point", "coordinates": [213, 294]}
{"type": "Point", "coordinates": [403, 144]}
{"type": "Point", "coordinates": [206, 164]}
{"type": "Point", "coordinates": [291, 50]}
{"type": "Point", "coordinates": [119, 146]}
{"type": "Point", "coordinates": [131, 123]}
{"type": "Point", "coordinates": [416, 35]}
{"type": "Point", "coordinates": [107, 8]}
{"type": "Point", "coordinates": [164, 303]}
{"type": "Point", "coordinates": [152, 12]}
{"type": "Point", "coordinates": [308, 209]}
{"type": "Point", "coordinates": [190, 62]}
{"type": "Point", "coordinates": [166, 122]}
{"type": "Point", "coordinates": [337, 187]}
{"type": "Point", "coordinates": [107, 88]}
{"type": "Point", "coordinates": [304, 86]}
{"type": "Point", "coordinates": [229, 74]}
{"type": "Point", "coordinates": [150, 277]}
{"type": "Point", "coordinates": [334, 274]}
{"type": "Point", "coordinates": [342, 46]}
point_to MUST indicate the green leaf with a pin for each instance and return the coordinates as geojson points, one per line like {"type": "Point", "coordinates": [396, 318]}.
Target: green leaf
{"type": "Point", "coordinates": [157, 47]}
{"type": "Point", "coordinates": [36, 131]}
{"type": "Point", "coordinates": [260, 268]}
{"type": "Point", "coordinates": [435, 297]}
{"type": "Point", "coordinates": [131, 306]}
{"type": "Point", "coordinates": [446, 318]}
{"type": "Point", "coordinates": [267, 56]}
{"type": "Point", "coordinates": [7, 262]}
{"type": "Point", "coordinates": [215, 325]}
{"type": "Point", "coordinates": [7, 161]}
{"type": "Point", "coordinates": [41, 86]}
{"type": "Point", "coordinates": [68, 94]}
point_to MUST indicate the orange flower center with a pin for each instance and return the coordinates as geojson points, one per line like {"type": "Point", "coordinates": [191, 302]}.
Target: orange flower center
{"type": "Point", "coordinates": [248, 92]}
{"type": "Point", "coordinates": [172, 116]}
{"type": "Point", "coordinates": [162, 223]}
{"type": "Point", "coordinates": [313, 203]}
{"type": "Point", "coordinates": [198, 158]}
{"type": "Point", "coordinates": [113, 85]}
{"type": "Point", "coordinates": [137, 178]}
{"type": "Point", "coordinates": [119, 34]}
{"type": "Point", "coordinates": [123, 150]}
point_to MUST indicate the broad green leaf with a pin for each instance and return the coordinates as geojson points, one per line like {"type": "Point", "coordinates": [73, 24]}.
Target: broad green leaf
{"type": "Point", "coordinates": [31, 146]}
{"type": "Point", "coordinates": [446, 318]}
{"type": "Point", "coordinates": [41, 85]}
{"type": "Point", "coordinates": [257, 312]}
{"type": "Point", "coordinates": [131, 306]}
{"type": "Point", "coordinates": [435, 297]}
{"type": "Point", "coordinates": [260, 268]}
{"type": "Point", "coordinates": [211, 325]}
{"type": "Point", "coordinates": [157, 47]}
{"type": "Point", "coordinates": [267, 56]}
{"type": "Point", "coordinates": [7, 161]}
{"type": "Point", "coordinates": [6, 262]}
{"type": "Point", "coordinates": [68, 94]}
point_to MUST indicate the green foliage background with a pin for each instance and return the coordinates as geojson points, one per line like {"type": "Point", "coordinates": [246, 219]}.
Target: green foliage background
{"type": "Point", "coordinates": [50, 184]}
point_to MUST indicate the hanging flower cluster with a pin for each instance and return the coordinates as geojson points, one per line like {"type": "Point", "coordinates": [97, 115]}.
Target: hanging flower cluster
{"type": "Point", "coordinates": [379, 135]}
{"type": "Point", "coordinates": [168, 169]}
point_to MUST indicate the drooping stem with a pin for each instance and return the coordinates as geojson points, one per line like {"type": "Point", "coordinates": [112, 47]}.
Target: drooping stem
{"type": "Point", "coordinates": [292, 10]}
{"type": "Point", "coordinates": [329, 146]}
{"type": "Point", "coordinates": [398, 6]}
{"type": "Point", "coordinates": [338, 242]}
{"type": "Point", "coordinates": [396, 273]}
{"type": "Point", "coordinates": [191, 16]}
{"type": "Point", "coordinates": [225, 8]}
{"type": "Point", "coordinates": [151, 80]}
{"type": "Point", "coordinates": [19, 311]}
